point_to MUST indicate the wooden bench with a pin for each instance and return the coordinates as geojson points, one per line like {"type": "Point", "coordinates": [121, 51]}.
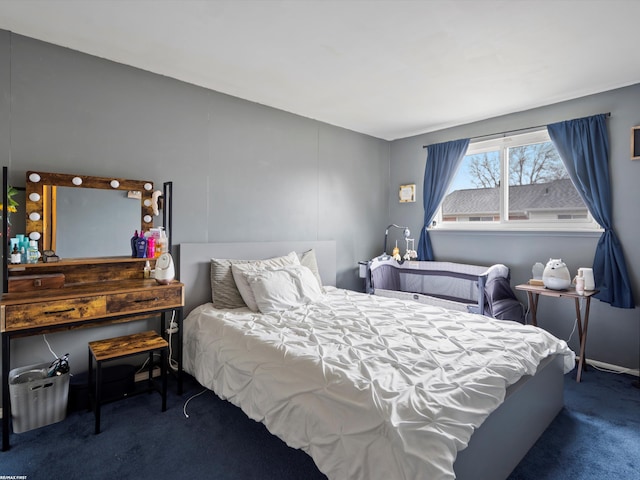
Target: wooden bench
{"type": "Point", "coordinates": [126, 346]}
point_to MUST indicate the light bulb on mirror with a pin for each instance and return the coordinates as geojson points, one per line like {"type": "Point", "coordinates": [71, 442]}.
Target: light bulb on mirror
{"type": "Point", "coordinates": [34, 177]}
{"type": "Point", "coordinates": [77, 181]}
{"type": "Point", "coordinates": [34, 197]}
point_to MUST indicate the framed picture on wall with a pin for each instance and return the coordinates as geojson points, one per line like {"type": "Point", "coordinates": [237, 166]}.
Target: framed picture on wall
{"type": "Point", "coordinates": [635, 143]}
{"type": "Point", "coordinates": [407, 193]}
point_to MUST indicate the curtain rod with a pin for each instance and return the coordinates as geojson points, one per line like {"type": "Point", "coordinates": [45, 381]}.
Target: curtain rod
{"type": "Point", "coordinates": [607, 115]}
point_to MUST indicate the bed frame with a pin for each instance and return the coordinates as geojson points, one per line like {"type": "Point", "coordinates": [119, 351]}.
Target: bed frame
{"type": "Point", "coordinates": [502, 440]}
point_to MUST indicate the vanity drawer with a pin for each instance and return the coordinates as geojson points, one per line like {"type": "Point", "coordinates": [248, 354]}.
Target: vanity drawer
{"type": "Point", "coordinates": [42, 314]}
{"type": "Point", "coordinates": [144, 300]}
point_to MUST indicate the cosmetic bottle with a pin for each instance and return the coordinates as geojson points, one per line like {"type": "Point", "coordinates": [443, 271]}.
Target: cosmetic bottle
{"type": "Point", "coordinates": [19, 241]}
{"type": "Point", "coordinates": [161, 247]}
{"type": "Point", "coordinates": [151, 247]}
{"type": "Point", "coordinates": [157, 241]}
{"type": "Point", "coordinates": [134, 248]}
{"type": "Point", "coordinates": [15, 255]}
{"type": "Point", "coordinates": [147, 269]}
{"type": "Point", "coordinates": [141, 246]}
{"type": "Point", "coordinates": [32, 253]}
{"type": "Point", "coordinates": [24, 248]}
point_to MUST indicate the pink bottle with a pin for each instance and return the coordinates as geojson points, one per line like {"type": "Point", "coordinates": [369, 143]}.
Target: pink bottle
{"type": "Point", "coordinates": [151, 247]}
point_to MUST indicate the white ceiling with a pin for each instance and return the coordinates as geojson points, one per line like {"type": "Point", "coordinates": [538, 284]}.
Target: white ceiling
{"type": "Point", "coordinates": [390, 69]}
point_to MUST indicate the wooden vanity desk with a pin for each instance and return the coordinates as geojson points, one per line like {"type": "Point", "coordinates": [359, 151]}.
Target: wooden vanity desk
{"type": "Point", "coordinates": [96, 291]}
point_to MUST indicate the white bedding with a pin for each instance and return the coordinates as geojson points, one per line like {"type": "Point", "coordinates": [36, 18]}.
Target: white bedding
{"type": "Point", "coordinates": [370, 387]}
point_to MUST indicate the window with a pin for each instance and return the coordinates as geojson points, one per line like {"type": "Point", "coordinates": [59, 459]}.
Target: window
{"type": "Point", "coordinates": [514, 182]}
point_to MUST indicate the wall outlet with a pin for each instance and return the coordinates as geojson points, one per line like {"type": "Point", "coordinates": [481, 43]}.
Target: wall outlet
{"type": "Point", "coordinates": [144, 375]}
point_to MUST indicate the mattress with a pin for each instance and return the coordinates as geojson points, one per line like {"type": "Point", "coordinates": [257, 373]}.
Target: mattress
{"type": "Point", "coordinates": [370, 387]}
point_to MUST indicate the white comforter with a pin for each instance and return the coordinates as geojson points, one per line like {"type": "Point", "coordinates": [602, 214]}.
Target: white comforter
{"type": "Point", "coordinates": [370, 387]}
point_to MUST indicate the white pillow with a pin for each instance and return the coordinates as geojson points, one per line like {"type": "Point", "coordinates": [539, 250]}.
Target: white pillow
{"type": "Point", "coordinates": [239, 269]}
{"type": "Point", "coordinates": [308, 259]}
{"type": "Point", "coordinates": [277, 289]}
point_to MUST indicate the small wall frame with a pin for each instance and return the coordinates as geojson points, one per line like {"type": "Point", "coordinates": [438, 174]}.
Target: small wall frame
{"type": "Point", "coordinates": [635, 143]}
{"type": "Point", "coordinates": [407, 193]}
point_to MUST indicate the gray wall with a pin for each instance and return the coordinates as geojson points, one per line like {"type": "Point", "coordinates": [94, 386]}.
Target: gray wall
{"type": "Point", "coordinates": [614, 334]}
{"type": "Point", "coordinates": [240, 171]}
{"type": "Point", "coordinates": [245, 172]}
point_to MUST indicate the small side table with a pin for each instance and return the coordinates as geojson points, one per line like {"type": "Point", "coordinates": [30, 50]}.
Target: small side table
{"type": "Point", "coordinates": [121, 347]}
{"type": "Point", "coordinates": [534, 292]}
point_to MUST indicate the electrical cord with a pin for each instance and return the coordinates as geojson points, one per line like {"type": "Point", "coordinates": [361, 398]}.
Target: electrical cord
{"type": "Point", "coordinates": [575, 324]}
{"type": "Point", "coordinates": [44, 337]}
{"type": "Point", "coordinates": [173, 364]}
{"type": "Point", "coordinates": [607, 370]}
{"type": "Point", "coordinates": [184, 408]}
{"type": "Point", "coordinates": [145, 363]}
{"type": "Point", "coordinates": [60, 365]}
{"type": "Point", "coordinates": [528, 310]}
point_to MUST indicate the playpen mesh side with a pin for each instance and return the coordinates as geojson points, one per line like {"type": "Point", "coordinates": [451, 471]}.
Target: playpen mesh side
{"type": "Point", "coordinates": [426, 299]}
{"type": "Point", "coordinates": [456, 286]}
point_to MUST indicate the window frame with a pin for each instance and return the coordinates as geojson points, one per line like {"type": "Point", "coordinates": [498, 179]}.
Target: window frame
{"type": "Point", "coordinates": [502, 143]}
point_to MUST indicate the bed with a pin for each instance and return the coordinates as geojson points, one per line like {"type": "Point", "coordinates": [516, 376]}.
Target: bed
{"type": "Point", "coordinates": [332, 376]}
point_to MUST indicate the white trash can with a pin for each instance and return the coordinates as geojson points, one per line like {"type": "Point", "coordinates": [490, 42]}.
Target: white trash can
{"type": "Point", "coordinates": [37, 400]}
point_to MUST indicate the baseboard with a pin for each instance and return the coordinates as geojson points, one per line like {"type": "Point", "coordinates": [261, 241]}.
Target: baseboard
{"type": "Point", "coordinates": [613, 368]}
{"type": "Point", "coordinates": [144, 375]}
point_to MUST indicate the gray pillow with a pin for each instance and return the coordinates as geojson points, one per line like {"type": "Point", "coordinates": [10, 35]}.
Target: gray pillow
{"type": "Point", "coordinates": [224, 293]}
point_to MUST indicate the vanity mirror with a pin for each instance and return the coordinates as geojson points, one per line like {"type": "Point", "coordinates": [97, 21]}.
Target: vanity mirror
{"type": "Point", "coordinates": [86, 216]}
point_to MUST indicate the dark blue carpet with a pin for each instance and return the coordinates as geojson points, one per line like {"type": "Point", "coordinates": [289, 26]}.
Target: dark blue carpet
{"type": "Point", "coordinates": [596, 436]}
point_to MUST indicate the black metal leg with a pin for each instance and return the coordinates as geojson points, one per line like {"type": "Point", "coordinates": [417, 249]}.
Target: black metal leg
{"type": "Point", "coordinates": [89, 381]}
{"type": "Point", "coordinates": [179, 321]}
{"type": "Point", "coordinates": [163, 373]}
{"type": "Point", "coordinates": [98, 394]}
{"type": "Point", "coordinates": [150, 373]}
{"type": "Point", "coordinates": [6, 404]}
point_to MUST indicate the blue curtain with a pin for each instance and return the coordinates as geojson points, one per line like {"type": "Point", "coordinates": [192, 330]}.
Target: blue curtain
{"type": "Point", "coordinates": [583, 145]}
{"type": "Point", "coordinates": [442, 162]}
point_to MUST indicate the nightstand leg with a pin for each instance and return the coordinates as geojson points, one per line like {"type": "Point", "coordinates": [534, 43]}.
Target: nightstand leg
{"type": "Point", "coordinates": [533, 303]}
{"type": "Point", "coordinates": [583, 337]}
{"type": "Point", "coordinates": [578, 319]}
